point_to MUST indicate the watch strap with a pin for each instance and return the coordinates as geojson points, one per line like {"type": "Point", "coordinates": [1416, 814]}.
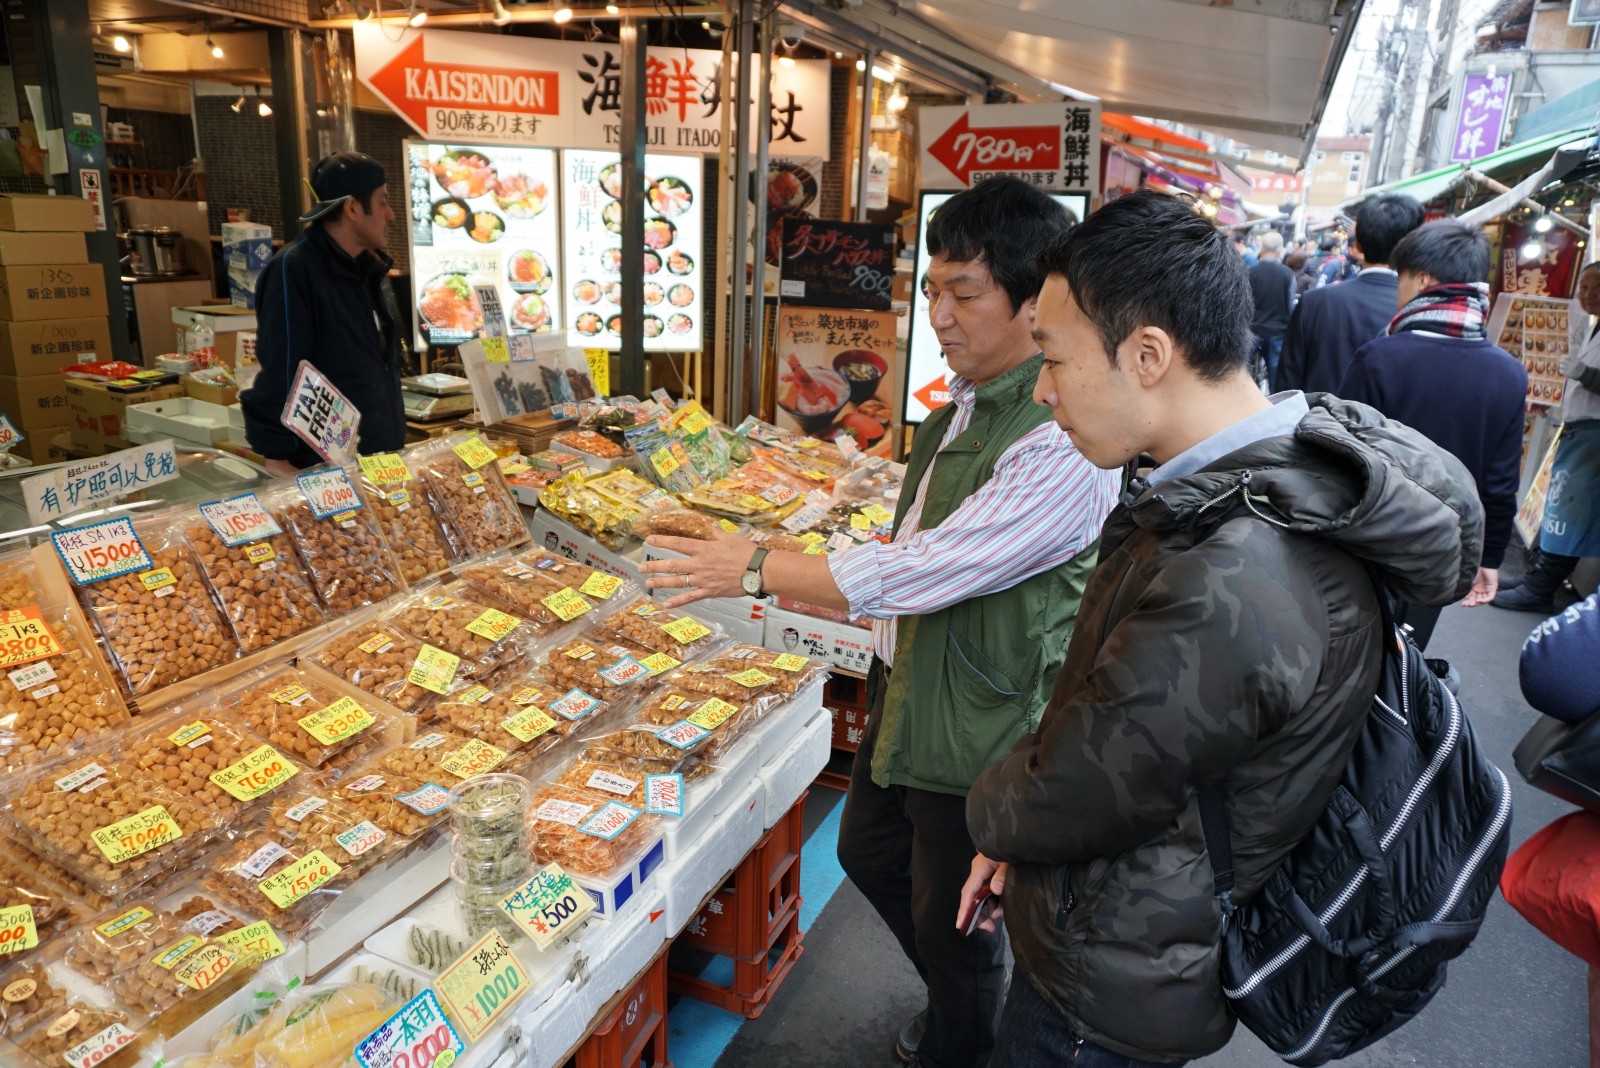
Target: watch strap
{"type": "Point", "coordinates": [754, 566]}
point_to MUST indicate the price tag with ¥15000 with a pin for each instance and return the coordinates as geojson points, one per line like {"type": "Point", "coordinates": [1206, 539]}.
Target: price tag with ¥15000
{"type": "Point", "coordinates": [474, 453]}
{"type": "Point", "coordinates": [434, 669]}
{"type": "Point", "coordinates": [338, 721]}
{"type": "Point", "coordinates": [548, 906]}
{"type": "Point", "coordinates": [329, 492]}
{"type": "Point", "coordinates": [256, 943]}
{"type": "Point", "coordinates": [240, 519]}
{"type": "Point", "coordinates": [138, 834]}
{"type": "Point", "coordinates": [299, 879]}
{"type": "Point", "coordinates": [262, 770]}
{"type": "Point", "coordinates": [481, 985]}
{"type": "Point", "coordinates": [17, 929]}
{"type": "Point", "coordinates": [101, 550]}
{"type": "Point", "coordinates": [24, 637]}
{"type": "Point", "coordinates": [567, 604]}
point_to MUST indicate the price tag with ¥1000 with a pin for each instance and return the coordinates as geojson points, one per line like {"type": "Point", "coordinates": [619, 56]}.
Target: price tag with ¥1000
{"type": "Point", "coordinates": [329, 492]}
{"type": "Point", "coordinates": [17, 930]}
{"type": "Point", "coordinates": [548, 906]}
{"type": "Point", "coordinates": [240, 519]}
{"type": "Point", "coordinates": [256, 943]}
{"type": "Point", "coordinates": [262, 770]}
{"type": "Point", "coordinates": [24, 637]}
{"type": "Point", "coordinates": [100, 1047]}
{"type": "Point", "coordinates": [474, 453]}
{"type": "Point", "coordinates": [299, 879]}
{"type": "Point", "coordinates": [101, 550]}
{"type": "Point", "coordinates": [434, 669]}
{"type": "Point", "coordinates": [481, 985]}
{"type": "Point", "coordinates": [138, 834]}
{"type": "Point", "coordinates": [567, 604]}
{"type": "Point", "coordinates": [338, 721]}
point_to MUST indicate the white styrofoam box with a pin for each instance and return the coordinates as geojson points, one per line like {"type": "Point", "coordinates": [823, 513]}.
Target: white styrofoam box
{"type": "Point", "coordinates": [787, 776]}
{"type": "Point", "coordinates": [214, 317]}
{"type": "Point", "coordinates": [236, 417]}
{"type": "Point", "coordinates": [706, 799]}
{"type": "Point", "coordinates": [552, 533]}
{"type": "Point", "coordinates": [374, 901]}
{"type": "Point", "coordinates": [782, 725]}
{"type": "Point", "coordinates": [614, 891]}
{"type": "Point", "coordinates": [184, 418]}
{"type": "Point", "coordinates": [692, 877]}
{"type": "Point", "coordinates": [744, 618]}
{"type": "Point", "coordinates": [843, 645]}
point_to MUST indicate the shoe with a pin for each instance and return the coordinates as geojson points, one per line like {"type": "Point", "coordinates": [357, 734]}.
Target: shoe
{"type": "Point", "coordinates": [905, 1046]}
{"type": "Point", "coordinates": [1511, 582]}
{"type": "Point", "coordinates": [1537, 591]}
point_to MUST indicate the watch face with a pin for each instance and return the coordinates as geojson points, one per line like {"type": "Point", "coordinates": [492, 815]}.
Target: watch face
{"type": "Point", "coordinates": [751, 581]}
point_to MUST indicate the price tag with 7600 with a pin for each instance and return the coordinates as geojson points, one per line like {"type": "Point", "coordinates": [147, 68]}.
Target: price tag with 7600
{"type": "Point", "coordinates": [548, 906]}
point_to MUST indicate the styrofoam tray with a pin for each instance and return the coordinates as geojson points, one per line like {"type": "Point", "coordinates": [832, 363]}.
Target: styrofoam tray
{"type": "Point", "coordinates": [706, 864]}
{"type": "Point", "coordinates": [374, 901]}
{"type": "Point", "coordinates": [706, 799]}
{"type": "Point", "coordinates": [182, 417]}
{"type": "Point", "coordinates": [787, 776]}
{"type": "Point", "coordinates": [782, 725]}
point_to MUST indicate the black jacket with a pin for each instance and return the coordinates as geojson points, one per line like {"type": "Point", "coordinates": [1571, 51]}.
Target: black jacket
{"type": "Point", "coordinates": [315, 303]}
{"type": "Point", "coordinates": [1273, 286]}
{"type": "Point", "coordinates": [1329, 324]}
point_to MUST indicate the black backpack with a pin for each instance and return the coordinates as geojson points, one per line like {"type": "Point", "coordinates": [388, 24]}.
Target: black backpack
{"type": "Point", "coordinates": [1349, 937]}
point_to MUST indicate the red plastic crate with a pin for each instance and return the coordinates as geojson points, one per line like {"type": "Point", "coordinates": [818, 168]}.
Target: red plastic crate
{"type": "Point", "coordinates": [743, 917]}
{"type": "Point", "coordinates": [754, 982]}
{"type": "Point", "coordinates": [634, 1034]}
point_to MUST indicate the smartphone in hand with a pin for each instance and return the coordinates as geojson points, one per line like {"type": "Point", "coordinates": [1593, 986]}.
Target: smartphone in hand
{"type": "Point", "coordinates": [982, 909]}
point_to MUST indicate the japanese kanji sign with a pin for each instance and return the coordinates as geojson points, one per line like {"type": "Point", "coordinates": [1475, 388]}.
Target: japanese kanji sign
{"type": "Point", "coordinates": [322, 416]}
{"type": "Point", "coordinates": [482, 89]}
{"type": "Point", "coordinates": [416, 1035]}
{"type": "Point", "coordinates": [1481, 119]}
{"type": "Point", "coordinates": [1054, 146]}
{"type": "Point", "coordinates": [837, 264]}
{"type": "Point", "coordinates": [480, 986]}
{"type": "Point", "coordinates": [1550, 274]}
{"type": "Point", "coordinates": [836, 374]}
{"type": "Point", "coordinates": [79, 486]}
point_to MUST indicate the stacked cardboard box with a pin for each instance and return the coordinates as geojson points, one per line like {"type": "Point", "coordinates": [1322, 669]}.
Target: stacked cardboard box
{"type": "Point", "coordinates": [53, 306]}
{"type": "Point", "coordinates": [246, 248]}
{"type": "Point", "coordinates": [100, 410]}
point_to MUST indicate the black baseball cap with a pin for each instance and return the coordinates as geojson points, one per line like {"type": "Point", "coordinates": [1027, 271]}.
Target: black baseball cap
{"type": "Point", "coordinates": [337, 178]}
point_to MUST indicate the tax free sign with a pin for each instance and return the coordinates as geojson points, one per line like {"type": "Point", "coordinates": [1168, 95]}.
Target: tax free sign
{"type": "Point", "coordinates": [478, 88]}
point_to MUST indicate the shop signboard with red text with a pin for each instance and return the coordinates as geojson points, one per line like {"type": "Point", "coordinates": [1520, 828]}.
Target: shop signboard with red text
{"type": "Point", "coordinates": [1054, 146]}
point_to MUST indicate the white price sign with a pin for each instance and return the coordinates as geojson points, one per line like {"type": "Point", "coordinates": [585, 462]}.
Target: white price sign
{"type": "Point", "coordinates": [548, 906]}
{"type": "Point", "coordinates": [101, 551]}
{"type": "Point", "coordinates": [76, 487]}
{"type": "Point", "coordinates": [322, 416]}
{"type": "Point", "coordinates": [329, 492]}
{"type": "Point", "coordinates": [240, 519]}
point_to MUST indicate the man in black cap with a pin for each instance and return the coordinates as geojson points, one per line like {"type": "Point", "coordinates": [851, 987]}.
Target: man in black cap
{"type": "Point", "coordinates": [324, 299]}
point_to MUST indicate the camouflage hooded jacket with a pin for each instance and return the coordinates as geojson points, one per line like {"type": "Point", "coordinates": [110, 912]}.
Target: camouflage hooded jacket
{"type": "Point", "coordinates": [1248, 658]}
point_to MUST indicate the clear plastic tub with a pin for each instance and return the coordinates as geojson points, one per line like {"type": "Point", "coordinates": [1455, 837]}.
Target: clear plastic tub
{"type": "Point", "coordinates": [490, 806]}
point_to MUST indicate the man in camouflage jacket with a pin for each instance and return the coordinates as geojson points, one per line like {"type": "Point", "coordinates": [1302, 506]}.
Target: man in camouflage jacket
{"type": "Point", "coordinates": [1212, 646]}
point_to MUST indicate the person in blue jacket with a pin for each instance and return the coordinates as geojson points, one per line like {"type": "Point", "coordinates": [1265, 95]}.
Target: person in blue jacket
{"type": "Point", "coordinates": [1560, 666]}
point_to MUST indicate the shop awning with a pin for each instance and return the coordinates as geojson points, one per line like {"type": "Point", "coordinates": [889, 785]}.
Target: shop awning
{"type": "Point", "coordinates": [1575, 109]}
{"type": "Point", "coordinates": [1432, 184]}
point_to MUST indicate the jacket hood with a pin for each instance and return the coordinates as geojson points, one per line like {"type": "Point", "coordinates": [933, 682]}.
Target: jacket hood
{"type": "Point", "coordinates": [1380, 490]}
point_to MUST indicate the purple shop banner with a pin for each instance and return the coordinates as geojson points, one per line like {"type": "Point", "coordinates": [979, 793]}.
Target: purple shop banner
{"type": "Point", "coordinates": [1482, 117]}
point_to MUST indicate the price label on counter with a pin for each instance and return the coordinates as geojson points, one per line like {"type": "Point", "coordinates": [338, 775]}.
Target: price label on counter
{"type": "Point", "coordinates": [567, 604]}
{"type": "Point", "coordinates": [253, 944]}
{"type": "Point", "coordinates": [138, 834]}
{"type": "Point", "coordinates": [528, 724]}
{"type": "Point", "coordinates": [493, 624]}
{"type": "Point", "coordinates": [663, 794]}
{"type": "Point", "coordinates": [474, 453]}
{"type": "Point", "coordinates": [338, 721]}
{"type": "Point", "coordinates": [329, 492]}
{"type": "Point", "coordinates": [17, 930]}
{"type": "Point", "coordinates": [240, 519]}
{"type": "Point", "coordinates": [878, 515]}
{"type": "Point", "coordinates": [205, 966]}
{"type": "Point", "coordinates": [92, 1051]}
{"type": "Point", "coordinates": [418, 1036]}
{"type": "Point", "coordinates": [434, 669]}
{"type": "Point", "coordinates": [24, 637]}
{"type": "Point", "coordinates": [600, 585]}
{"type": "Point", "coordinates": [495, 350]}
{"type": "Point", "coordinates": [752, 678]}
{"type": "Point", "coordinates": [101, 551]}
{"type": "Point", "coordinates": [548, 906]}
{"type": "Point", "coordinates": [384, 467]}
{"type": "Point", "coordinates": [481, 985]}
{"type": "Point", "coordinates": [474, 758]}
{"type": "Point", "coordinates": [299, 879]}
{"type": "Point", "coordinates": [686, 630]}
{"type": "Point", "coordinates": [663, 461]}
{"type": "Point", "coordinates": [361, 838]}
{"type": "Point", "coordinates": [263, 770]}
{"type": "Point", "coordinates": [659, 662]}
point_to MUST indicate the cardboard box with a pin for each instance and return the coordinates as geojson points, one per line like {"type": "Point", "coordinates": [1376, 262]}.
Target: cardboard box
{"type": "Point", "coordinates": [45, 346]}
{"type": "Point", "coordinates": [45, 445]}
{"type": "Point", "coordinates": [210, 393]}
{"type": "Point", "coordinates": [229, 326]}
{"type": "Point", "coordinates": [52, 291]}
{"type": "Point", "coordinates": [98, 414]}
{"type": "Point", "coordinates": [34, 400]}
{"type": "Point", "coordinates": [18, 248]}
{"type": "Point", "coordinates": [33, 211]}
{"type": "Point", "coordinates": [844, 645]}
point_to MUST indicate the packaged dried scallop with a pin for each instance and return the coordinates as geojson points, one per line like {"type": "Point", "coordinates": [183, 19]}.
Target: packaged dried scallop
{"type": "Point", "coordinates": [512, 716]}
{"type": "Point", "coordinates": [140, 585]}
{"type": "Point", "coordinates": [584, 834]}
{"type": "Point", "coordinates": [58, 692]}
{"type": "Point", "coordinates": [380, 661]}
{"type": "Point", "coordinates": [681, 523]}
{"type": "Point", "coordinates": [610, 775]}
{"type": "Point", "coordinates": [482, 635]}
{"type": "Point", "coordinates": [250, 562]}
{"type": "Point", "coordinates": [196, 752]}
{"type": "Point", "coordinates": [152, 958]}
{"type": "Point", "coordinates": [262, 876]}
{"type": "Point", "coordinates": [307, 718]}
{"type": "Point", "coordinates": [601, 667]}
{"type": "Point", "coordinates": [16, 850]}
{"type": "Point", "coordinates": [27, 997]}
{"type": "Point", "coordinates": [745, 673]}
{"type": "Point", "coordinates": [469, 493]}
{"type": "Point", "coordinates": [83, 1034]}
{"type": "Point", "coordinates": [53, 910]}
{"type": "Point", "coordinates": [337, 538]}
{"type": "Point", "coordinates": [109, 824]}
{"type": "Point", "coordinates": [725, 720]}
{"type": "Point", "coordinates": [406, 514]}
{"type": "Point", "coordinates": [343, 832]}
{"type": "Point", "coordinates": [543, 587]}
{"type": "Point", "coordinates": [676, 634]}
{"type": "Point", "coordinates": [402, 805]}
{"type": "Point", "coordinates": [442, 757]}
{"type": "Point", "coordinates": [683, 744]}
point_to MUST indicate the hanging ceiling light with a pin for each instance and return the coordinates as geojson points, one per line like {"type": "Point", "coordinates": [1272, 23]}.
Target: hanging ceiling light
{"type": "Point", "coordinates": [785, 61]}
{"type": "Point", "coordinates": [216, 49]}
{"type": "Point", "coordinates": [238, 105]}
{"type": "Point", "coordinates": [1532, 250]}
{"type": "Point", "coordinates": [418, 16]}
{"type": "Point", "coordinates": [562, 15]}
{"type": "Point", "coordinates": [263, 108]}
{"type": "Point", "coordinates": [1543, 225]}
{"type": "Point", "coordinates": [121, 43]}
{"type": "Point", "coordinates": [613, 9]}
{"type": "Point", "coordinates": [501, 15]}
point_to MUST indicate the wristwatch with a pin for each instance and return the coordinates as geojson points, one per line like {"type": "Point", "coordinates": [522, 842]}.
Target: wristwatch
{"type": "Point", "coordinates": [751, 579]}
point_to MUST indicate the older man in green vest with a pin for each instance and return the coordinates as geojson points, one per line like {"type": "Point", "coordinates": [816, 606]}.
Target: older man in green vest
{"type": "Point", "coordinates": [972, 604]}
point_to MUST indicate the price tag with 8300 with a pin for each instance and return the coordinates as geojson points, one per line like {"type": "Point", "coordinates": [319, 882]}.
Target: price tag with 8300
{"type": "Point", "coordinates": [329, 492]}
{"type": "Point", "coordinates": [548, 906]}
{"type": "Point", "coordinates": [240, 519]}
{"type": "Point", "coordinates": [101, 550]}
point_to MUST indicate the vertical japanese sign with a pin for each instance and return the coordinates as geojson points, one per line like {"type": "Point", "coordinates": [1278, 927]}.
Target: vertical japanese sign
{"type": "Point", "coordinates": [1550, 274]}
{"type": "Point", "coordinates": [1480, 122]}
{"type": "Point", "coordinates": [837, 264]}
{"type": "Point", "coordinates": [674, 230]}
{"type": "Point", "coordinates": [1054, 146]}
{"type": "Point", "coordinates": [836, 375]}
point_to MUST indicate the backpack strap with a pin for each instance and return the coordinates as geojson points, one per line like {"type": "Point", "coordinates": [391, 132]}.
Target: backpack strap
{"type": "Point", "coordinates": [1214, 821]}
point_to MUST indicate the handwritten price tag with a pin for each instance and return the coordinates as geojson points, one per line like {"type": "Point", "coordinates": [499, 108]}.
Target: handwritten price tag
{"type": "Point", "coordinates": [24, 638]}
{"type": "Point", "coordinates": [299, 879]}
{"type": "Point", "coordinates": [240, 519]}
{"type": "Point", "coordinates": [384, 468]}
{"type": "Point", "coordinates": [92, 1051]}
{"type": "Point", "coordinates": [481, 985]}
{"type": "Point", "coordinates": [686, 630]}
{"type": "Point", "coordinates": [329, 492]}
{"type": "Point", "coordinates": [362, 838]}
{"type": "Point", "coordinates": [418, 1036]}
{"type": "Point", "coordinates": [548, 906]}
{"type": "Point", "coordinates": [612, 819]}
{"type": "Point", "coordinates": [9, 435]}
{"type": "Point", "coordinates": [262, 771]}
{"type": "Point", "coordinates": [138, 834]}
{"type": "Point", "coordinates": [790, 662]}
{"type": "Point", "coordinates": [101, 551]}
{"type": "Point", "coordinates": [495, 350]}
{"type": "Point", "coordinates": [493, 625]}
{"type": "Point", "coordinates": [474, 758]}
{"type": "Point", "coordinates": [17, 930]}
{"type": "Point", "coordinates": [713, 713]}
{"type": "Point", "coordinates": [696, 421]}
{"type": "Point", "coordinates": [528, 724]}
{"type": "Point", "coordinates": [859, 522]}
{"type": "Point", "coordinates": [663, 794]}
{"type": "Point", "coordinates": [878, 515]}
{"type": "Point", "coordinates": [752, 678]}
{"type": "Point", "coordinates": [663, 461]}
{"type": "Point", "coordinates": [434, 669]}
{"type": "Point", "coordinates": [338, 721]}
{"type": "Point", "coordinates": [660, 662]}
{"type": "Point", "coordinates": [567, 604]}
{"type": "Point", "coordinates": [600, 585]}
{"type": "Point", "coordinates": [474, 453]}
{"type": "Point", "coordinates": [253, 944]}
{"type": "Point", "coordinates": [208, 964]}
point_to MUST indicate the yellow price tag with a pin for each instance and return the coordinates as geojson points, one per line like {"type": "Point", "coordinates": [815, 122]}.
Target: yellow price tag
{"type": "Point", "coordinates": [790, 662]}
{"type": "Point", "coordinates": [859, 522]}
{"type": "Point", "coordinates": [599, 361]}
{"type": "Point", "coordinates": [384, 467]}
{"type": "Point", "coordinates": [480, 986]}
{"type": "Point", "coordinates": [659, 662]}
{"type": "Point", "coordinates": [528, 724]}
{"type": "Point", "coordinates": [434, 669]}
{"type": "Point", "coordinates": [713, 713]}
{"type": "Point", "coordinates": [600, 585]}
{"type": "Point", "coordinates": [138, 834]}
{"type": "Point", "coordinates": [811, 537]}
{"type": "Point", "coordinates": [808, 443]}
{"type": "Point", "coordinates": [24, 638]}
{"type": "Point", "coordinates": [696, 421]}
{"type": "Point", "coordinates": [256, 943]}
{"type": "Point", "coordinates": [192, 733]}
{"type": "Point", "coordinates": [210, 963]}
{"type": "Point", "coordinates": [17, 930]}
{"type": "Point", "coordinates": [474, 453]}
{"type": "Point", "coordinates": [263, 770]}
{"type": "Point", "coordinates": [730, 527]}
{"type": "Point", "coordinates": [495, 351]}
{"type": "Point", "coordinates": [815, 476]}
{"type": "Point", "coordinates": [474, 758]}
{"type": "Point", "coordinates": [567, 604]}
{"type": "Point", "coordinates": [817, 549]}
{"type": "Point", "coordinates": [338, 721]}
{"type": "Point", "coordinates": [878, 514]}
{"type": "Point", "coordinates": [663, 461]}
{"type": "Point", "coordinates": [686, 630]}
{"type": "Point", "coordinates": [159, 579]}
{"type": "Point", "coordinates": [493, 625]}
{"type": "Point", "coordinates": [526, 696]}
{"type": "Point", "coordinates": [299, 879]}
{"type": "Point", "coordinates": [753, 678]}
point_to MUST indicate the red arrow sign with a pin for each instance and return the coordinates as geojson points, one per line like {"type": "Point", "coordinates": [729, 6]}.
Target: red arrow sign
{"type": "Point", "coordinates": [963, 150]}
{"type": "Point", "coordinates": [412, 85]}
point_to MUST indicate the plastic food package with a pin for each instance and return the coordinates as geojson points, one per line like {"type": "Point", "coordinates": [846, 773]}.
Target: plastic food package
{"type": "Point", "coordinates": [702, 439]}
{"type": "Point", "coordinates": [616, 833]}
{"type": "Point", "coordinates": [306, 718]}
{"type": "Point", "coordinates": [138, 952]}
{"type": "Point", "coordinates": [469, 493]}
{"type": "Point", "coordinates": [338, 539]}
{"type": "Point", "coordinates": [27, 997]}
{"type": "Point", "coordinates": [79, 1022]}
{"type": "Point", "coordinates": [49, 702]}
{"type": "Point", "coordinates": [626, 489]}
{"type": "Point", "coordinates": [513, 717]}
{"type": "Point", "coordinates": [680, 523]}
{"type": "Point", "coordinates": [85, 812]}
{"type": "Point", "coordinates": [377, 660]}
{"type": "Point", "coordinates": [570, 498]}
{"type": "Point", "coordinates": [725, 720]}
{"type": "Point", "coordinates": [263, 588]}
{"type": "Point", "coordinates": [312, 1027]}
{"type": "Point", "coordinates": [442, 757]}
{"type": "Point", "coordinates": [686, 748]}
{"type": "Point", "coordinates": [780, 542]}
{"type": "Point", "coordinates": [744, 672]}
{"type": "Point", "coordinates": [600, 667]}
{"type": "Point", "coordinates": [477, 633]}
{"type": "Point", "coordinates": [589, 443]}
{"type": "Point", "coordinates": [343, 832]}
{"type": "Point", "coordinates": [400, 804]}
{"type": "Point", "coordinates": [54, 910]}
{"type": "Point", "coordinates": [158, 622]}
{"type": "Point", "coordinates": [676, 634]}
{"type": "Point", "coordinates": [662, 457]}
{"type": "Point", "coordinates": [223, 767]}
{"type": "Point", "coordinates": [29, 859]}
{"type": "Point", "coordinates": [612, 776]}
{"type": "Point", "coordinates": [263, 876]}
{"type": "Point", "coordinates": [409, 522]}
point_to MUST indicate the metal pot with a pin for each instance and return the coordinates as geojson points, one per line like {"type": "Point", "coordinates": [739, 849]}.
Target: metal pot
{"type": "Point", "coordinates": [142, 243]}
{"type": "Point", "coordinates": [156, 251]}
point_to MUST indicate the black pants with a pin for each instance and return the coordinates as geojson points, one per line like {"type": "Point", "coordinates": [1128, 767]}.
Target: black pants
{"type": "Point", "coordinates": [908, 852]}
{"type": "Point", "coordinates": [1421, 618]}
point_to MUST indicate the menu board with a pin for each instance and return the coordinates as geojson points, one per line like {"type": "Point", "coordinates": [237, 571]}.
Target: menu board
{"type": "Point", "coordinates": [836, 375]}
{"type": "Point", "coordinates": [1537, 331]}
{"type": "Point", "coordinates": [831, 264]}
{"type": "Point", "coordinates": [674, 277]}
{"type": "Point", "coordinates": [482, 216]}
